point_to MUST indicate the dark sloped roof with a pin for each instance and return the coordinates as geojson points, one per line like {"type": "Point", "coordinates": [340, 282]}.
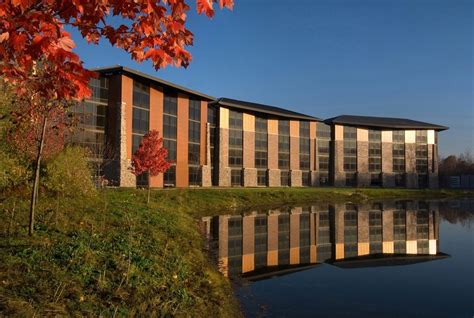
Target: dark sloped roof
{"type": "Point", "coordinates": [382, 122]}
{"type": "Point", "coordinates": [266, 109]}
{"type": "Point", "coordinates": [122, 69]}
{"type": "Point", "coordinates": [376, 260]}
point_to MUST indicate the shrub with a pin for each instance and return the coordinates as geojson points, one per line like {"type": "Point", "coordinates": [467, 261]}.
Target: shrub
{"type": "Point", "coordinates": [13, 172]}
{"type": "Point", "coordinates": [68, 174]}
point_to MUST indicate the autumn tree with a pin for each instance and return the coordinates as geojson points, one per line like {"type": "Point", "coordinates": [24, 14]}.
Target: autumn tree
{"type": "Point", "coordinates": [150, 157]}
{"type": "Point", "coordinates": [36, 56]}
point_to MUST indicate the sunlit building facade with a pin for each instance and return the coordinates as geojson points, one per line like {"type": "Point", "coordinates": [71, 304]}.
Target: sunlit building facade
{"type": "Point", "coordinates": [230, 143]}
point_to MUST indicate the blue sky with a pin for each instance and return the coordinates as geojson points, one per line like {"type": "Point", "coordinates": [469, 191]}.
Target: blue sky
{"type": "Point", "coordinates": [396, 58]}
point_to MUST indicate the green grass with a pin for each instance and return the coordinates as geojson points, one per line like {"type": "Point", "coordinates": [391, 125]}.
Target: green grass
{"type": "Point", "coordinates": [112, 255]}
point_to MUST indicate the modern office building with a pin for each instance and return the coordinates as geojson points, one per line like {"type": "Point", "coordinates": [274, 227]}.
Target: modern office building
{"type": "Point", "coordinates": [264, 244]}
{"type": "Point", "coordinates": [226, 142]}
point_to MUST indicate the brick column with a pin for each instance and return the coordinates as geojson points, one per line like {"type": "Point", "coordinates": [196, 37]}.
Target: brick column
{"type": "Point", "coordinates": [156, 123]}
{"type": "Point", "coordinates": [388, 178]}
{"type": "Point", "coordinates": [313, 223]}
{"type": "Point", "coordinates": [224, 170]}
{"type": "Point", "coordinates": [412, 244]}
{"type": "Point", "coordinates": [295, 235]}
{"type": "Point", "coordinates": [313, 158]}
{"type": "Point", "coordinates": [387, 231]}
{"type": "Point", "coordinates": [363, 175]}
{"type": "Point", "coordinates": [363, 241]}
{"type": "Point", "coordinates": [127, 179]}
{"type": "Point", "coordinates": [272, 230]}
{"type": "Point", "coordinates": [295, 172]}
{"type": "Point", "coordinates": [337, 153]}
{"type": "Point", "coordinates": [182, 176]}
{"type": "Point", "coordinates": [250, 173]}
{"type": "Point", "coordinates": [410, 159]}
{"type": "Point", "coordinates": [273, 171]}
{"type": "Point", "coordinates": [248, 243]}
{"type": "Point", "coordinates": [339, 210]}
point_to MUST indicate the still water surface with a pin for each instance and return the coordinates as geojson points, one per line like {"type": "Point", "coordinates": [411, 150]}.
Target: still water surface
{"type": "Point", "coordinates": [382, 259]}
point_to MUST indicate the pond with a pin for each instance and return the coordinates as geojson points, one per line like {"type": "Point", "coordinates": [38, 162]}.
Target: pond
{"type": "Point", "coordinates": [380, 259]}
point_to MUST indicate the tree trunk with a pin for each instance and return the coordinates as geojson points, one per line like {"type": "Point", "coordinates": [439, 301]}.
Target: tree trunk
{"type": "Point", "coordinates": [34, 192]}
{"type": "Point", "coordinates": [148, 199]}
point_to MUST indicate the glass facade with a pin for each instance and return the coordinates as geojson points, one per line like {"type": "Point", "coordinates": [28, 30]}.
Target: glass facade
{"type": "Point", "coordinates": [91, 117]}
{"type": "Point", "coordinates": [170, 133]}
{"type": "Point", "coordinates": [305, 153]}
{"type": "Point", "coordinates": [236, 147]}
{"type": "Point", "coordinates": [212, 119]}
{"type": "Point", "coordinates": [398, 154]}
{"type": "Point", "coordinates": [422, 158]}
{"type": "Point", "coordinates": [140, 120]}
{"type": "Point", "coordinates": [194, 143]}
{"type": "Point", "coordinates": [375, 157]}
{"type": "Point", "coordinates": [261, 150]}
{"type": "Point", "coordinates": [284, 151]}
{"type": "Point", "coordinates": [350, 155]}
{"type": "Point", "coordinates": [323, 139]}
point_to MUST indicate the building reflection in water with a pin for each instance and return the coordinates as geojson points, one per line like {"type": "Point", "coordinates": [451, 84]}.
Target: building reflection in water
{"type": "Point", "coordinates": [258, 245]}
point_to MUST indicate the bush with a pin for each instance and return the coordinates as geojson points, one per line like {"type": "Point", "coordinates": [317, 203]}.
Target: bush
{"type": "Point", "coordinates": [69, 175]}
{"type": "Point", "coordinates": [13, 172]}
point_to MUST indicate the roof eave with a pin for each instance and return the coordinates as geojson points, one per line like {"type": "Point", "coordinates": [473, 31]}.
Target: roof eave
{"type": "Point", "coordinates": [116, 68]}
{"type": "Point", "coordinates": [220, 101]}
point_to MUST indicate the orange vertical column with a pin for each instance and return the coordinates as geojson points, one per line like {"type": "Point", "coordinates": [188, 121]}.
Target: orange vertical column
{"type": "Point", "coordinates": [127, 98]}
{"type": "Point", "coordinates": [182, 142]}
{"type": "Point", "coordinates": [295, 235]}
{"type": "Point", "coordinates": [156, 123]}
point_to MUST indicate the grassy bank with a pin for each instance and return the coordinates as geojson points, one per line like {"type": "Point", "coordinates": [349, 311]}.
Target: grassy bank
{"type": "Point", "coordinates": [112, 255]}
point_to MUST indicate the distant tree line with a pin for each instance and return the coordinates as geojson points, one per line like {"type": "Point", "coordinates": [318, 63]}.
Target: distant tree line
{"type": "Point", "coordinates": [456, 166]}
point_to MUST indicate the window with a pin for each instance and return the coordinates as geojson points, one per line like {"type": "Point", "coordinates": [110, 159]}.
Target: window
{"type": "Point", "coordinates": [350, 155]}
{"type": "Point", "coordinates": [350, 234]}
{"type": "Point", "coordinates": [140, 120]}
{"type": "Point", "coordinates": [398, 154]}
{"type": "Point", "coordinates": [261, 177]}
{"type": "Point", "coordinates": [285, 178]}
{"type": "Point", "coordinates": [170, 131]}
{"type": "Point", "coordinates": [261, 149]}
{"type": "Point", "coordinates": [398, 165]}
{"type": "Point", "coordinates": [306, 178]}
{"type": "Point", "coordinates": [323, 141]}
{"type": "Point", "coordinates": [350, 133]}
{"type": "Point", "coordinates": [194, 142]}
{"type": "Point", "coordinates": [351, 179]}
{"type": "Point", "coordinates": [283, 239]}
{"type": "Point", "coordinates": [284, 144]}
{"type": "Point", "coordinates": [350, 164]}
{"type": "Point", "coordinates": [422, 158]}
{"type": "Point", "coordinates": [195, 176]}
{"type": "Point", "coordinates": [324, 163]}
{"type": "Point", "coordinates": [375, 157]}
{"type": "Point", "coordinates": [422, 136]}
{"type": "Point", "coordinates": [236, 177]}
{"type": "Point", "coordinates": [91, 118]}
{"type": "Point", "coordinates": [304, 146]}
{"type": "Point", "coordinates": [323, 131]}
{"type": "Point", "coordinates": [235, 139]}
{"type": "Point", "coordinates": [213, 135]}
{"type": "Point", "coordinates": [260, 241]}
{"type": "Point", "coordinates": [398, 136]}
